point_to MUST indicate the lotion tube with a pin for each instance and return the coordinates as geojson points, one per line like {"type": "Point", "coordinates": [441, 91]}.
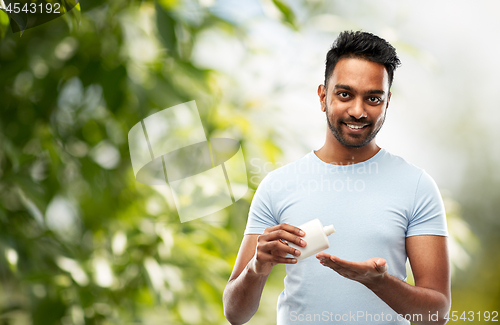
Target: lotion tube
{"type": "Point", "coordinates": [315, 237]}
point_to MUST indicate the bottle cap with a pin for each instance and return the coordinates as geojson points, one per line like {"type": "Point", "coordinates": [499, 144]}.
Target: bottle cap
{"type": "Point", "coordinates": [329, 230]}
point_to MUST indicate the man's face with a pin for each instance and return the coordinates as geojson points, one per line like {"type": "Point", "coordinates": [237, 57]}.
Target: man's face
{"type": "Point", "coordinates": [355, 101]}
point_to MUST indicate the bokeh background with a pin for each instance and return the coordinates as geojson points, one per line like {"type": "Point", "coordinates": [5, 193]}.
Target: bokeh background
{"type": "Point", "coordinates": [82, 242]}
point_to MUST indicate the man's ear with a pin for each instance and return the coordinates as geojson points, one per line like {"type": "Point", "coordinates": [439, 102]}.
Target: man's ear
{"type": "Point", "coordinates": [322, 97]}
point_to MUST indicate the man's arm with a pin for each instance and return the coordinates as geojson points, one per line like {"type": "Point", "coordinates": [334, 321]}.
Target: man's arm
{"type": "Point", "coordinates": [431, 294]}
{"type": "Point", "coordinates": [256, 258]}
{"type": "Point", "coordinates": [242, 293]}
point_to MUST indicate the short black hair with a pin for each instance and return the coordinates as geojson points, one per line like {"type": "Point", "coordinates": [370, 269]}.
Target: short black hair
{"type": "Point", "coordinates": [365, 46]}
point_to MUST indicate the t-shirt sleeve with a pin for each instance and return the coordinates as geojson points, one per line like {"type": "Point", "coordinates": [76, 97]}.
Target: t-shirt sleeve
{"type": "Point", "coordinates": [261, 213]}
{"type": "Point", "coordinates": [428, 215]}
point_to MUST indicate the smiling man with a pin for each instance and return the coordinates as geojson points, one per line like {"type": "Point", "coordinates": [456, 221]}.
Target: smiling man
{"type": "Point", "coordinates": [385, 211]}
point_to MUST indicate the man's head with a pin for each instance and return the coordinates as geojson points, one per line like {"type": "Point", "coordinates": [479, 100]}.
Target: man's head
{"type": "Point", "coordinates": [359, 71]}
{"type": "Point", "coordinates": [365, 46]}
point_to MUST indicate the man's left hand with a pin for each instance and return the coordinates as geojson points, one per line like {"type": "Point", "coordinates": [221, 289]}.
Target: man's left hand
{"type": "Point", "coordinates": [369, 272]}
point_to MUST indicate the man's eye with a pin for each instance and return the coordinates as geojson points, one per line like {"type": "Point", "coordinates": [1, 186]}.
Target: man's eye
{"type": "Point", "coordinates": [375, 99]}
{"type": "Point", "coordinates": [343, 94]}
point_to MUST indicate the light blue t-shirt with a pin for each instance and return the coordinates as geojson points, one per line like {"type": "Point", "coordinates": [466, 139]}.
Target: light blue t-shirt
{"type": "Point", "coordinates": [374, 205]}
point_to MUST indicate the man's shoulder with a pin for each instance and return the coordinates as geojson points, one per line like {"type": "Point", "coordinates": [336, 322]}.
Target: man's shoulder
{"type": "Point", "coordinates": [395, 163]}
{"type": "Point", "coordinates": [301, 165]}
{"type": "Point", "coordinates": [289, 170]}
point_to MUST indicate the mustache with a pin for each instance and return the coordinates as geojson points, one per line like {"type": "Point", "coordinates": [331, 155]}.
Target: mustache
{"type": "Point", "coordinates": [362, 121]}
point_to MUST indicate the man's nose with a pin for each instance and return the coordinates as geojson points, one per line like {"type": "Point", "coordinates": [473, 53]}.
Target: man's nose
{"type": "Point", "coordinates": [357, 110]}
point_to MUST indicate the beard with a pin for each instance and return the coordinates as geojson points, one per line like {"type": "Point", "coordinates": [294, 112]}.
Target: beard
{"type": "Point", "coordinates": [351, 141]}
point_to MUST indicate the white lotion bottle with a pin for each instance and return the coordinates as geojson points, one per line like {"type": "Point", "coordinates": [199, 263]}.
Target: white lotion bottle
{"type": "Point", "coordinates": [315, 237]}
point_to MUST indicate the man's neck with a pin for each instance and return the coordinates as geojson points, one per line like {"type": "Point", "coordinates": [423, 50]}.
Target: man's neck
{"type": "Point", "coordinates": [338, 154]}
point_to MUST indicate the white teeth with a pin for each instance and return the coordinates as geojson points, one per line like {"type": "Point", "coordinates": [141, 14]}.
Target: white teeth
{"type": "Point", "coordinates": [356, 126]}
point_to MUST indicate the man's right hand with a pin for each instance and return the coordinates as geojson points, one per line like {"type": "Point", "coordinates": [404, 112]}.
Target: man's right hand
{"type": "Point", "coordinates": [271, 248]}
{"type": "Point", "coordinates": [256, 258]}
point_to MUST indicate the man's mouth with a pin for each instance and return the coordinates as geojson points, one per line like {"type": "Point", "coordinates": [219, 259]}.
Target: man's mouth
{"type": "Point", "coordinates": [356, 126]}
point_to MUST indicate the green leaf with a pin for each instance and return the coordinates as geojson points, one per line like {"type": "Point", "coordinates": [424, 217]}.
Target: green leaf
{"type": "Point", "coordinates": [288, 14]}
{"type": "Point", "coordinates": [166, 27]}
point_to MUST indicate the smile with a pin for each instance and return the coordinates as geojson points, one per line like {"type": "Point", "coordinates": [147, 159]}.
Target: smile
{"type": "Point", "coordinates": [354, 126]}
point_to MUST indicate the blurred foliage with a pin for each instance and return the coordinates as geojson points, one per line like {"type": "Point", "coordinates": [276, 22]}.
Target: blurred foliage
{"type": "Point", "coordinates": [25, 14]}
{"type": "Point", "coordinates": [81, 242]}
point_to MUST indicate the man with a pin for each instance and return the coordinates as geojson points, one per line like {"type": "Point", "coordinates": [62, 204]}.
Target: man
{"type": "Point", "coordinates": [385, 210]}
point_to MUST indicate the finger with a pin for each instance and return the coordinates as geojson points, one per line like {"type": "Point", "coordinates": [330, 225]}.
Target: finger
{"type": "Point", "coordinates": [278, 248]}
{"type": "Point", "coordinates": [284, 260]}
{"type": "Point", "coordinates": [328, 260]}
{"type": "Point", "coordinates": [283, 242]}
{"type": "Point", "coordinates": [264, 257]}
{"type": "Point", "coordinates": [283, 234]}
{"type": "Point", "coordinates": [346, 273]}
{"type": "Point", "coordinates": [284, 226]}
{"type": "Point", "coordinates": [284, 253]}
{"type": "Point", "coordinates": [279, 253]}
{"type": "Point", "coordinates": [322, 255]}
{"type": "Point", "coordinates": [345, 264]}
{"type": "Point", "coordinates": [329, 263]}
{"type": "Point", "coordinates": [381, 265]}
{"type": "Point", "coordinates": [345, 268]}
{"type": "Point", "coordinates": [340, 271]}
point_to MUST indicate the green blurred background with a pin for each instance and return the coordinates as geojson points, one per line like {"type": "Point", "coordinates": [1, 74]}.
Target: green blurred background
{"type": "Point", "coordinates": [82, 242]}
